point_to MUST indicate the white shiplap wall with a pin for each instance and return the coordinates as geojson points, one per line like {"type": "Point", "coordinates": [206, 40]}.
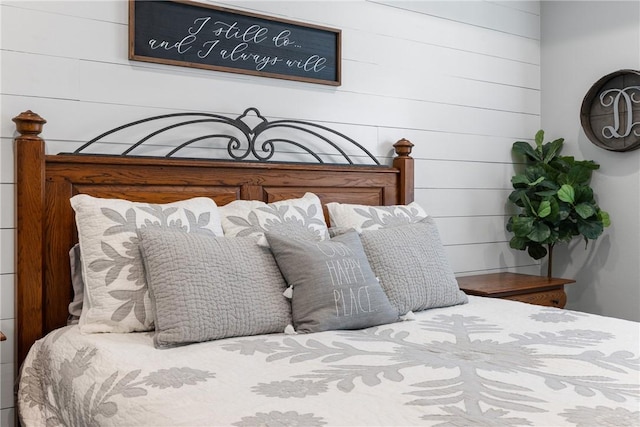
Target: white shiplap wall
{"type": "Point", "coordinates": [459, 79]}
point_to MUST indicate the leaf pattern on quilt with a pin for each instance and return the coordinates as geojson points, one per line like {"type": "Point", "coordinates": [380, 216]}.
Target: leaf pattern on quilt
{"type": "Point", "coordinates": [281, 419]}
{"type": "Point", "coordinates": [551, 315]}
{"type": "Point", "coordinates": [114, 263]}
{"type": "Point", "coordinates": [176, 377]}
{"type": "Point", "coordinates": [97, 403]}
{"type": "Point", "coordinates": [72, 407]}
{"type": "Point", "coordinates": [455, 417]}
{"type": "Point", "coordinates": [125, 224]}
{"type": "Point", "coordinates": [251, 224]}
{"type": "Point", "coordinates": [251, 346]}
{"type": "Point", "coordinates": [302, 223]}
{"type": "Point", "coordinates": [133, 301]}
{"type": "Point", "coordinates": [469, 353]}
{"type": "Point", "coordinates": [297, 352]}
{"type": "Point", "coordinates": [285, 389]}
{"type": "Point", "coordinates": [388, 216]}
{"type": "Point", "coordinates": [116, 260]}
{"type": "Point", "coordinates": [583, 416]}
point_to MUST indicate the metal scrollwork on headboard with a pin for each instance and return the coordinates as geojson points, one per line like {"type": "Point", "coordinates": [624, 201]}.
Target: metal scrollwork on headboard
{"type": "Point", "coordinates": [249, 137]}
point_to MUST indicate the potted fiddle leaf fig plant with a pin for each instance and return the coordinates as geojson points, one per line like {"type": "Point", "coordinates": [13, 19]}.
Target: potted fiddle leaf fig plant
{"type": "Point", "coordinates": [554, 199]}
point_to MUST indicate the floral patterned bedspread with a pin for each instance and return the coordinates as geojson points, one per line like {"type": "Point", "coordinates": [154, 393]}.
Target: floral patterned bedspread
{"type": "Point", "coordinates": [490, 362]}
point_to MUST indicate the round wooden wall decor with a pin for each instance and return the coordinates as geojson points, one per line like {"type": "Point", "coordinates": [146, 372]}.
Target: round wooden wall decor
{"type": "Point", "coordinates": [610, 113]}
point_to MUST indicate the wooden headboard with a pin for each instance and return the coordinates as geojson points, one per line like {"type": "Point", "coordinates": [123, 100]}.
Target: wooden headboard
{"type": "Point", "coordinates": [45, 220]}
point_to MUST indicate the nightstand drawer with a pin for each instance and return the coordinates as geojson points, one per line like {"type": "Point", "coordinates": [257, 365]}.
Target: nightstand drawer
{"type": "Point", "coordinates": [556, 298]}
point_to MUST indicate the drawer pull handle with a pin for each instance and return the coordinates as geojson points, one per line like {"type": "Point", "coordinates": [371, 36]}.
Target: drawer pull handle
{"type": "Point", "coordinates": [555, 301]}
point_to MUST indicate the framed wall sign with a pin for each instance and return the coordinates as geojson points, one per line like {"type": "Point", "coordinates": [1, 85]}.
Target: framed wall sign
{"type": "Point", "coordinates": [198, 35]}
{"type": "Point", "coordinates": [610, 112]}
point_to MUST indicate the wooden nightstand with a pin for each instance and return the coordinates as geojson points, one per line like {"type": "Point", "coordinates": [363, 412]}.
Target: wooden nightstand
{"type": "Point", "coordinates": [520, 287]}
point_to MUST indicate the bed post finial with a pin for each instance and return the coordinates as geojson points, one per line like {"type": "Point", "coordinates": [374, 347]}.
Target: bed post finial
{"type": "Point", "coordinates": [404, 163]}
{"type": "Point", "coordinates": [29, 124]}
{"type": "Point", "coordinates": [403, 148]}
{"type": "Point", "coordinates": [30, 199]}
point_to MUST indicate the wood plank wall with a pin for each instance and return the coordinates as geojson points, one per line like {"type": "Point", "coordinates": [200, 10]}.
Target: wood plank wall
{"type": "Point", "coordinates": [461, 80]}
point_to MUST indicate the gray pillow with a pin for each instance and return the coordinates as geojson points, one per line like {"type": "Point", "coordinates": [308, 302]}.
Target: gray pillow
{"type": "Point", "coordinates": [205, 287]}
{"type": "Point", "coordinates": [412, 266]}
{"type": "Point", "coordinates": [333, 285]}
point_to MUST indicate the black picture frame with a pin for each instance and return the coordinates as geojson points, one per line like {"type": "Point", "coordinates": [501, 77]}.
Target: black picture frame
{"type": "Point", "coordinates": [189, 34]}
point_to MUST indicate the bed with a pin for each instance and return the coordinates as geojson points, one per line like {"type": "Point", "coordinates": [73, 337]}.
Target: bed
{"type": "Point", "coordinates": [409, 348]}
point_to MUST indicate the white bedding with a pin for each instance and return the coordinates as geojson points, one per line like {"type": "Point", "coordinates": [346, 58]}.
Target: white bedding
{"type": "Point", "coordinates": [488, 362]}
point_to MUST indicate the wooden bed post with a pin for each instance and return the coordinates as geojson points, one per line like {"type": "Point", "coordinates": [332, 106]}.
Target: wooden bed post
{"type": "Point", "coordinates": [404, 162]}
{"type": "Point", "coordinates": [30, 173]}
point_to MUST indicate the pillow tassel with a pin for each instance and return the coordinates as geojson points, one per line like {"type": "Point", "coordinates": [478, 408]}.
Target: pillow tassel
{"type": "Point", "coordinates": [288, 292]}
{"type": "Point", "coordinates": [409, 316]}
{"type": "Point", "coordinates": [262, 242]}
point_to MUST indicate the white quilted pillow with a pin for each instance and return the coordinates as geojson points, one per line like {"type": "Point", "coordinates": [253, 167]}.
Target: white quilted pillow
{"type": "Point", "coordinates": [363, 217]}
{"type": "Point", "coordinates": [116, 297]}
{"type": "Point", "coordinates": [301, 218]}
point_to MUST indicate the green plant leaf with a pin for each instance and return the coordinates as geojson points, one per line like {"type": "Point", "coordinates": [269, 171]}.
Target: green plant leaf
{"type": "Point", "coordinates": [509, 225]}
{"type": "Point", "coordinates": [536, 182]}
{"type": "Point", "coordinates": [553, 237]}
{"type": "Point", "coordinates": [546, 193]}
{"type": "Point", "coordinates": [585, 210]}
{"type": "Point", "coordinates": [566, 194]}
{"type": "Point", "coordinates": [554, 215]}
{"type": "Point", "coordinates": [564, 211]}
{"type": "Point", "coordinates": [528, 207]}
{"type": "Point", "coordinates": [562, 179]}
{"type": "Point", "coordinates": [566, 231]}
{"type": "Point", "coordinates": [539, 138]}
{"type": "Point", "coordinates": [604, 217]}
{"type": "Point", "coordinates": [551, 185]}
{"type": "Point", "coordinates": [590, 229]}
{"type": "Point", "coordinates": [537, 251]}
{"type": "Point", "coordinates": [578, 174]}
{"type": "Point", "coordinates": [516, 197]}
{"type": "Point", "coordinates": [562, 163]}
{"type": "Point", "coordinates": [589, 164]}
{"type": "Point", "coordinates": [544, 209]}
{"type": "Point", "coordinates": [525, 149]}
{"type": "Point", "coordinates": [522, 225]}
{"type": "Point", "coordinates": [519, 243]}
{"type": "Point", "coordinates": [520, 180]}
{"type": "Point", "coordinates": [539, 232]}
{"type": "Point", "coordinates": [524, 180]}
{"type": "Point", "coordinates": [583, 194]}
{"type": "Point", "coordinates": [551, 149]}
{"type": "Point", "coordinates": [533, 172]}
